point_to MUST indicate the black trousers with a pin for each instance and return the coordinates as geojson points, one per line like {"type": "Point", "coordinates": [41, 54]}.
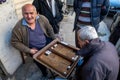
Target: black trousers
{"type": "Point", "coordinates": [42, 68]}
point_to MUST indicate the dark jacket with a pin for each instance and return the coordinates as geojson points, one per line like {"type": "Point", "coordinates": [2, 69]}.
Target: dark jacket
{"type": "Point", "coordinates": [99, 9]}
{"type": "Point", "coordinates": [101, 61]}
{"type": "Point", "coordinates": [43, 8]}
{"type": "Point", "coordinates": [115, 29]}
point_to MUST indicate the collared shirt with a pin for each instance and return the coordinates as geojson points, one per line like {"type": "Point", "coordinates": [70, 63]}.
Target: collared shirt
{"type": "Point", "coordinates": [25, 23]}
{"type": "Point", "coordinates": [52, 6]}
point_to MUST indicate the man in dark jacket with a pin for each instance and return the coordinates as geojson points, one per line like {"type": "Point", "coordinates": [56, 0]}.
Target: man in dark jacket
{"type": "Point", "coordinates": [52, 9]}
{"type": "Point", "coordinates": [101, 61]}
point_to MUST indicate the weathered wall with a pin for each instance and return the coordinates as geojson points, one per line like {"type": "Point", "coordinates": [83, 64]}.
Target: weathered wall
{"type": "Point", "coordinates": [18, 4]}
{"type": "Point", "coordinates": [10, 12]}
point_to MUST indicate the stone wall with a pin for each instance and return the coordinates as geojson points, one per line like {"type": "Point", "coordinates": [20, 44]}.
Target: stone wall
{"type": "Point", "coordinates": [18, 4]}
{"type": "Point", "coordinates": [10, 13]}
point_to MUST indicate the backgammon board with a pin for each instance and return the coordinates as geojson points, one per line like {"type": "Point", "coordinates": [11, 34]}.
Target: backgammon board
{"type": "Point", "coordinates": [59, 57]}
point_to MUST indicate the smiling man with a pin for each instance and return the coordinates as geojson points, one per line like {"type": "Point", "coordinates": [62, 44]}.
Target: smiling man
{"type": "Point", "coordinates": [32, 33]}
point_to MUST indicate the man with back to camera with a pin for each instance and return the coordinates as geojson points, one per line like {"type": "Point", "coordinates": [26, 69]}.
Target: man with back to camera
{"type": "Point", "coordinates": [101, 61]}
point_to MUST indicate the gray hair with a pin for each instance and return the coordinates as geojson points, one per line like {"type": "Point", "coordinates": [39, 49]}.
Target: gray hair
{"type": "Point", "coordinates": [87, 33]}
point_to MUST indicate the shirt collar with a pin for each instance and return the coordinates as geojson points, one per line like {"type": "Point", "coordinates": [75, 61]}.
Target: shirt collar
{"type": "Point", "coordinates": [24, 23]}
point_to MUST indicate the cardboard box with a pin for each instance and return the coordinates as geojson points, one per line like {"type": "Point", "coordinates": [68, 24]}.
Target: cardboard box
{"type": "Point", "coordinates": [59, 57]}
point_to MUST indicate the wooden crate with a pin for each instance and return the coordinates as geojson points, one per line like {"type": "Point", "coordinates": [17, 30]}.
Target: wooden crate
{"type": "Point", "coordinates": [59, 57]}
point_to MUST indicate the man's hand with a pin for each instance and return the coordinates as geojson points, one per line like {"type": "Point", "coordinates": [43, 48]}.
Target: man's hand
{"type": "Point", "coordinates": [33, 51]}
{"type": "Point", "coordinates": [59, 36]}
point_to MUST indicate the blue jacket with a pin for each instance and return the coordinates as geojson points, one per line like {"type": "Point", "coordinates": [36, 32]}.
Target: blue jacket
{"type": "Point", "coordinates": [99, 10]}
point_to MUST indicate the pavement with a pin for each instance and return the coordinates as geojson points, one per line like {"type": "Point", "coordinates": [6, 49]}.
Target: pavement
{"type": "Point", "coordinates": [29, 71]}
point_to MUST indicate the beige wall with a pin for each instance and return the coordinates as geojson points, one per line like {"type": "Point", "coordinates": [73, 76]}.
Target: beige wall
{"type": "Point", "coordinates": [18, 4]}
{"type": "Point", "coordinates": [8, 55]}
{"type": "Point", "coordinates": [10, 13]}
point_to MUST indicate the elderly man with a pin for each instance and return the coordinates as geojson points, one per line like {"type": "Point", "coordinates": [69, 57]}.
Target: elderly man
{"type": "Point", "coordinates": [101, 61]}
{"type": "Point", "coordinates": [32, 33]}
